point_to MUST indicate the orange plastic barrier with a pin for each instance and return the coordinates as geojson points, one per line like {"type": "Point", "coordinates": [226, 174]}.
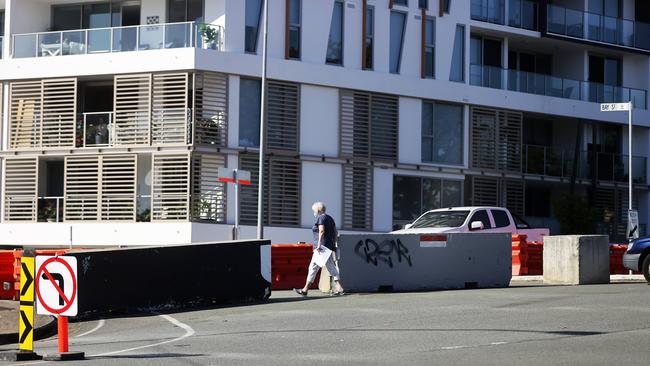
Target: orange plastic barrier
{"type": "Point", "coordinates": [7, 275]}
{"type": "Point", "coordinates": [616, 252]}
{"type": "Point", "coordinates": [519, 255]}
{"type": "Point", "coordinates": [289, 264]}
{"type": "Point", "coordinates": [535, 262]}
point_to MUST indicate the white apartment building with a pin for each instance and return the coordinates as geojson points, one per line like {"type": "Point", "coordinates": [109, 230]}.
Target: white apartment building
{"type": "Point", "coordinates": [117, 114]}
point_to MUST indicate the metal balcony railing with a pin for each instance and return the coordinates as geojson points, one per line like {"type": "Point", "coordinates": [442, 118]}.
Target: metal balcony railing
{"type": "Point", "coordinates": [50, 209]}
{"type": "Point", "coordinates": [553, 86]}
{"type": "Point", "coordinates": [118, 39]}
{"type": "Point", "coordinates": [558, 162]}
{"type": "Point", "coordinates": [598, 28]}
{"type": "Point", "coordinates": [97, 129]}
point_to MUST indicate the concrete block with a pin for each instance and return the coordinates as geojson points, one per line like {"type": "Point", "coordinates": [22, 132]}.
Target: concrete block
{"type": "Point", "coordinates": [576, 259]}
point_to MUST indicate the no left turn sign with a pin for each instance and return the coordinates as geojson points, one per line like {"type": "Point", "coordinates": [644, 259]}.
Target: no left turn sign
{"type": "Point", "coordinates": [56, 285]}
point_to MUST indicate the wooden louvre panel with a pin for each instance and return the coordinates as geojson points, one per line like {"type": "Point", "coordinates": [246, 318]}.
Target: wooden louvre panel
{"type": "Point", "coordinates": [357, 196]}
{"type": "Point", "coordinates": [132, 104]}
{"type": "Point", "coordinates": [25, 110]}
{"type": "Point", "coordinates": [170, 187]}
{"type": "Point", "coordinates": [21, 189]}
{"type": "Point", "coordinates": [483, 138]}
{"type": "Point", "coordinates": [211, 109]}
{"type": "Point", "coordinates": [82, 187]}
{"type": "Point", "coordinates": [59, 112]}
{"type": "Point", "coordinates": [369, 125]}
{"type": "Point", "coordinates": [169, 109]}
{"type": "Point", "coordinates": [512, 195]}
{"type": "Point", "coordinates": [282, 116]}
{"type": "Point", "coordinates": [284, 191]}
{"type": "Point", "coordinates": [496, 139]}
{"type": "Point", "coordinates": [118, 188]}
{"type": "Point", "coordinates": [208, 194]}
{"type": "Point", "coordinates": [248, 193]}
{"type": "Point", "coordinates": [485, 191]}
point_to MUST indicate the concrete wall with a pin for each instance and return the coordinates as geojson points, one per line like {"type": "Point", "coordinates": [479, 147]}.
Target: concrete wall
{"type": "Point", "coordinates": [576, 260]}
{"type": "Point", "coordinates": [319, 120]}
{"type": "Point", "coordinates": [313, 189]}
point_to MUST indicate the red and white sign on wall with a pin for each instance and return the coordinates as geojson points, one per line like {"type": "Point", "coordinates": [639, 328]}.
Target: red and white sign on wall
{"type": "Point", "coordinates": [56, 285]}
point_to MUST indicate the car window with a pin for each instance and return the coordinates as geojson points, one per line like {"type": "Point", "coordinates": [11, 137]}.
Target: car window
{"type": "Point", "coordinates": [521, 223]}
{"type": "Point", "coordinates": [441, 219]}
{"type": "Point", "coordinates": [500, 218]}
{"type": "Point", "coordinates": [481, 216]}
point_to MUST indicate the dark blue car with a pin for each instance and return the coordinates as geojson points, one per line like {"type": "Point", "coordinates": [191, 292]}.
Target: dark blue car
{"type": "Point", "coordinates": [637, 257]}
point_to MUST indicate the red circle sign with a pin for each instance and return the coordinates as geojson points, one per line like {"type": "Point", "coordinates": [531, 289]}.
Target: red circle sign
{"type": "Point", "coordinates": [68, 302]}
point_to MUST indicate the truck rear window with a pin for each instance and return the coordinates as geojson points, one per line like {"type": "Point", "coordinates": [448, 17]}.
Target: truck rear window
{"type": "Point", "coordinates": [441, 219]}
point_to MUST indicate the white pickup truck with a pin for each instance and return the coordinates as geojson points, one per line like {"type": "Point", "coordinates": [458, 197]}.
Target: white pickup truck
{"type": "Point", "coordinates": [472, 219]}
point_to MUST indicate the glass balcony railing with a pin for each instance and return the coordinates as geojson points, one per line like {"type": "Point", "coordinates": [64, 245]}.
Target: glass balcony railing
{"type": "Point", "coordinates": [95, 129]}
{"type": "Point", "coordinates": [559, 162]}
{"type": "Point", "coordinates": [553, 86]}
{"type": "Point", "coordinates": [491, 11]}
{"type": "Point", "coordinates": [118, 39]}
{"type": "Point", "coordinates": [521, 13]}
{"type": "Point", "coordinates": [597, 28]}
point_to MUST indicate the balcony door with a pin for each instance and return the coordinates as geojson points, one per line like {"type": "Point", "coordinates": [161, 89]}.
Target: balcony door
{"type": "Point", "coordinates": [604, 79]}
{"type": "Point", "coordinates": [184, 11]}
{"type": "Point", "coordinates": [486, 62]}
{"type": "Point", "coordinates": [528, 72]}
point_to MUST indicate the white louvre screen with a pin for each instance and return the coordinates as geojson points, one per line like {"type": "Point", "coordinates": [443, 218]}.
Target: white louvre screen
{"type": "Point", "coordinates": [208, 194]}
{"type": "Point", "coordinates": [484, 133]}
{"type": "Point", "coordinates": [485, 191]}
{"type": "Point", "coordinates": [211, 109]}
{"type": "Point", "coordinates": [59, 111]}
{"type": "Point", "coordinates": [118, 192]}
{"type": "Point", "coordinates": [284, 191]}
{"type": "Point", "coordinates": [25, 103]}
{"type": "Point", "coordinates": [357, 196]}
{"type": "Point", "coordinates": [496, 139]}
{"type": "Point", "coordinates": [82, 188]}
{"type": "Point", "coordinates": [170, 109]}
{"type": "Point", "coordinates": [21, 177]}
{"type": "Point", "coordinates": [510, 126]}
{"type": "Point", "coordinates": [132, 103]}
{"type": "Point", "coordinates": [170, 187]}
{"type": "Point", "coordinates": [512, 195]}
{"type": "Point", "coordinates": [282, 116]}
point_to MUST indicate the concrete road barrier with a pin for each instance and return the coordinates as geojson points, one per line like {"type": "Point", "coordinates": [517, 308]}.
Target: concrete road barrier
{"type": "Point", "coordinates": [576, 259]}
{"type": "Point", "coordinates": [411, 262]}
{"type": "Point", "coordinates": [171, 277]}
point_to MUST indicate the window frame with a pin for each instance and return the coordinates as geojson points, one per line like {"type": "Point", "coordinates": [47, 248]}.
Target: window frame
{"type": "Point", "coordinates": [342, 4]}
{"type": "Point", "coordinates": [433, 136]}
{"type": "Point", "coordinates": [239, 127]}
{"type": "Point", "coordinates": [429, 47]}
{"type": "Point", "coordinates": [462, 55]}
{"type": "Point", "coordinates": [369, 36]}
{"type": "Point", "coordinates": [404, 3]}
{"type": "Point", "coordinates": [289, 27]}
{"type": "Point", "coordinates": [401, 44]}
{"type": "Point", "coordinates": [441, 182]}
{"type": "Point", "coordinates": [257, 28]}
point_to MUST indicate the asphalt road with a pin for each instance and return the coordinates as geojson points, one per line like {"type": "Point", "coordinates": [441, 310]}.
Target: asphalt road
{"type": "Point", "coordinates": [520, 325]}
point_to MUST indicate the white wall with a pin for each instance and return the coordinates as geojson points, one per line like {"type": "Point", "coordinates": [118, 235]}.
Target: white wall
{"type": "Point", "coordinates": [233, 111]}
{"type": "Point", "coordinates": [235, 33]}
{"type": "Point", "coordinates": [276, 30]}
{"type": "Point", "coordinates": [351, 35]}
{"type": "Point", "coordinates": [410, 131]}
{"type": "Point", "coordinates": [316, 21]}
{"type": "Point", "coordinates": [215, 12]}
{"type": "Point", "coordinates": [319, 120]}
{"type": "Point", "coordinates": [321, 182]}
{"type": "Point", "coordinates": [18, 11]}
{"type": "Point", "coordinates": [153, 8]}
{"type": "Point", "coordinates": [382, 200]}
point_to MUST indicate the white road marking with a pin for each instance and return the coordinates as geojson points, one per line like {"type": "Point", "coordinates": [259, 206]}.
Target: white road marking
{"type": "Point", "coordinates": [99, 325]}
{"type": "Point", "coordinates": [188, 333]}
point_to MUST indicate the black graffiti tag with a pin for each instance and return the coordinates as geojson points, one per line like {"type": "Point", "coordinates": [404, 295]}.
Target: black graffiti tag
{"type": "Point", "coordinates": [375, 253]}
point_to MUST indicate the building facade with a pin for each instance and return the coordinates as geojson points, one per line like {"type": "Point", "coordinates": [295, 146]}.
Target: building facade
{"type": "Point", "coordinates": [116, 115]}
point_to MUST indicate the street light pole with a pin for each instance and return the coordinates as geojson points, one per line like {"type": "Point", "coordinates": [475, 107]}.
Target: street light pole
{"type": "Point", "coordinates": [629, 154]}
{"type": "Point", "coordinates": [260, 186]}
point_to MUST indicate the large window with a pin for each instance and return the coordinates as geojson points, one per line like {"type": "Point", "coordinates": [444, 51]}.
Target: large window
{"type": "Point", "coordinates": [335, 43]}
{"type": "Point", "coordinates": [249, 112]}
{"type": "Point", "coordinates": [442, 133]}
{"type": "Point", "coordinates": [369, 38]}
{"type": "Point", "coordinates": [457, 72]}
{"type": "Point", "coordinates": [429, 48]}
{"type": "Point", "coordinates": [401, 2]}
{"type": "Point", "coordinates": [293, 28]}
{"type": "Point", "coordinates": [252, 23]}
{"type": "Point", "coordinates": [397, 26]}
{"type": "Point", "coordinates": [412, 196]}
{"type": "Point", "coordinates": [184, 11]}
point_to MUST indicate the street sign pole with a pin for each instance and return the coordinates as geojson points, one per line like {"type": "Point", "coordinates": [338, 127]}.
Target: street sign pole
{"type": "Point", "coordinates": [629, 155]}
{"type": "Point", "coordinates": [260, 185]}
{"type": "Point", "coordinates": [236, 236]}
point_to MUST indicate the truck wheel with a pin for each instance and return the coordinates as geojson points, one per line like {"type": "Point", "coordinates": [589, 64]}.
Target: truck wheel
{"type": "Point", "coordinates": [645, 267]}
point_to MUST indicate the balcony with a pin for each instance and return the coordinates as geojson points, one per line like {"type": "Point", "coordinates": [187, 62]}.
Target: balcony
{"type": "Point", "coordinates": [553, 86]}
{"type": "Point", "coordinates": [118, 39]}
{"type": "Point", "coordinates": [558, 162]}
{"type": "Point", "coordinates": [521, 13]}
{"type": "Point", "coordinates": [597, 28]}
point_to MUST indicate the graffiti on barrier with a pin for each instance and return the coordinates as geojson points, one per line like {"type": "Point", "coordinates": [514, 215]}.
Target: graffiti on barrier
{"type": "Point", "coordinates": [374, 253]}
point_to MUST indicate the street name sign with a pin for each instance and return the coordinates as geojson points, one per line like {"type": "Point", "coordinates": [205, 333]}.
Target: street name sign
{"type": "Point", "coordinates": [614, 107]}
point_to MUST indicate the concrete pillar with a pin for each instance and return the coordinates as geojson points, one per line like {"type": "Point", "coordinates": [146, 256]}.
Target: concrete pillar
{"type": "Point", "coordinates": [576, 259]}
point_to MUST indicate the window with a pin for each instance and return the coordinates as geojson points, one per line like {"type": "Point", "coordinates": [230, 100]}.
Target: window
{"type": "Point", "coordinates": [397, 26]}
{"type": "Point", "coordinates": [184, 11]}
{"type": "Point", "coordinates": [293, 28]}
{"type": "Point", "coordinates": [401, 2]}
{"type": "Point", "coordinates": [335, 42]}
{"type": "Point", "coordinates": [88, 16]}
{"type": "Point", "coordinates": [250, 95]}
{"type": "Point", "coordinates": [2, 24]}
{"type": "Point", "coordinates": [446, 5]}
{"type": "Point", "coordinates": [442, 133]}
{"type": "Point", "coordinates": [423, 4]}
{"type": "Point", "coordinates": [481, 216]}
{"type": "Point", "coordinates": [413, 196]}
{"type": "Point", "coordinates": [252, 23]}
{"type": "Point", "coordinates": [429, 48]}
{"type": "Point", "coordinates": [370, 38]}
{"type": "Point", "coordinates": [500, 218]}
{"type": "Point", "coordinates": [457, 72]}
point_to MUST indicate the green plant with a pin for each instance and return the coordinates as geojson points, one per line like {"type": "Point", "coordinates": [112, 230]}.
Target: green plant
{"type": "Point", "coordinates": [144, 216]}
{"type": "Point", "coordinates": [575, 215]}
{"type": "Point", "coordinates": [47, 213]}
{"type": "Point", "coordinates": [208, 32]}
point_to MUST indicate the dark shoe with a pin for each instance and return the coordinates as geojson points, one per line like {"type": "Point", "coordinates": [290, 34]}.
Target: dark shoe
{"type": "Point", "coordinates": [299, 291]}
{"type": "Point", "coordinates": [338, 293]}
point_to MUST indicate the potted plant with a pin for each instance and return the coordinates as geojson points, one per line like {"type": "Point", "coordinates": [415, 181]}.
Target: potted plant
{"type": "Point", "coordinates": [209, 35]}
{"type": "Point", "coordinates": [48, 213]}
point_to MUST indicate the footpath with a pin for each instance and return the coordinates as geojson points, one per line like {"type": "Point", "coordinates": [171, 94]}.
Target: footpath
{"type": "Point", "coordinates": [45, 324]}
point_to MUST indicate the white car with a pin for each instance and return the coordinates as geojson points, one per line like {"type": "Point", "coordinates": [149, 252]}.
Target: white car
{"type": "Point", "coordinates": [472, 219]}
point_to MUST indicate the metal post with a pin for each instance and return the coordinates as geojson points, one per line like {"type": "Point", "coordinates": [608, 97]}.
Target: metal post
{"type": "Point", "coordinates": [260, 186]}
{"type": "Point", "coordinates": [236, 234]}
{"type": "Point", "coordinates": [629, 151]}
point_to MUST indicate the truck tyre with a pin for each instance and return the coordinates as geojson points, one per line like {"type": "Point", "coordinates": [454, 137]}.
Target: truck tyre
{"type": "Point", "coordinates": [645, 267]}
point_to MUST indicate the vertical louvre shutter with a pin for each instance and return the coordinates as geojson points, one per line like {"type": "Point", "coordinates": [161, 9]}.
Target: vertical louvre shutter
{"type": "Point", "coordinates": [512, 195]}
{"type": "Point", "coordinates": [248, 193]}
{"type": "Point", "coordinates": [59, 112]}
{"type": "Point", "coordinates": [25, 103]}
{"type": "Point", "coordinates": [284, 191]}
{"type": "Point", "coordinates": [169, 109]}
{"type": "Point", "coordinates": [132, 103]}
{"type": "Point", "coordinates": [369, 124]}
{"type": "Point", "coordinates": [496, 139]}
{"type": "Point", "coordinates": [492, 191]}
{"type": "Point", "coordinates": [21, 191]}
{"type": "Point", "coordinates": [170, 187]}
{"type": "Point", "coordinates": [357, 196]}
{"type": "Point", "coordinates": [118, 187]}
{"type": "Point", "coordinates": [282, 116]}
{"type": "Point", "coordinates": [82, 188]}
{"type": "Point", "coordinates": [485, 191]}
{"type": "Point", "coordinates": [208, 194]}
{"type": "Point", "coordinates": [211, 109]}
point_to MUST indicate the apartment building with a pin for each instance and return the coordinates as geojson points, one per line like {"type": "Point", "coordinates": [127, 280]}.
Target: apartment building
{"type": "Point", "coordinates": [116, 115]}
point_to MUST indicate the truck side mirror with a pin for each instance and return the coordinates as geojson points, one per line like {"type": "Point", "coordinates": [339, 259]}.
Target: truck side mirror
{"type": "Point", "coordinates": [476, 225]}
